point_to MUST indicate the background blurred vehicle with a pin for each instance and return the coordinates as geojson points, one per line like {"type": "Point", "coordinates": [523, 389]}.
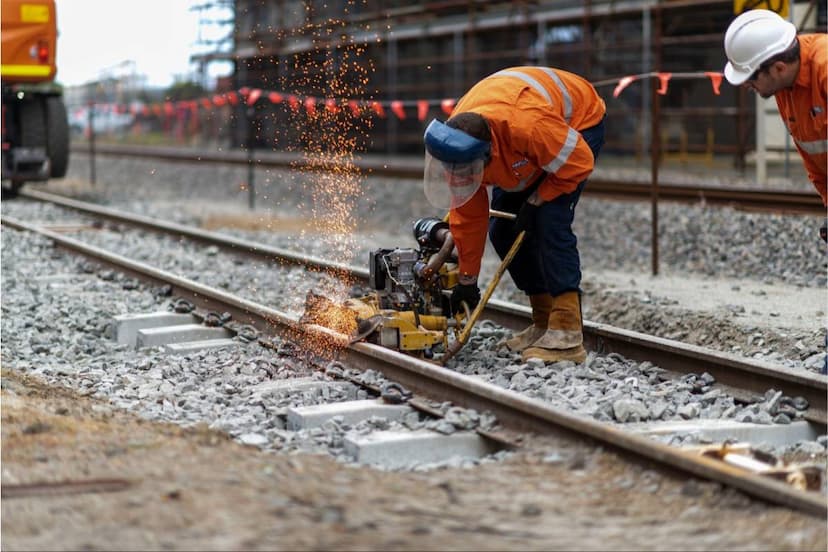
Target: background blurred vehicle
{"type": "Point", "coordinates": [35, 124]}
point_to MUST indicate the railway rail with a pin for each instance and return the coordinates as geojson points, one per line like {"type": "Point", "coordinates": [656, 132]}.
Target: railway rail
{"type": "Point", "coordinates": [778, 201]}
{"type": "Point", "coordinates": [512, 409]}
{"type": "Point", "coordinates": [742, 377]}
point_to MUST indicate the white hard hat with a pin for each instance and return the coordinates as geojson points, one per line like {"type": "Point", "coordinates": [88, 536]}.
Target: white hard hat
{"type": "Point", "coordinates": [752, 38]}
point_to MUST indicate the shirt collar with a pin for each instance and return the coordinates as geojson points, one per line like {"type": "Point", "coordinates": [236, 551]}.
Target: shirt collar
{"type": "Point", "coordinates": [803, 78]}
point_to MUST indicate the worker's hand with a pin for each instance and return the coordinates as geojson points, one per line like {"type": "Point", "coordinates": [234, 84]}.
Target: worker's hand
{"type": "Point", "coordinates": [526, 218]}
{"type": "Point", "coordinates": [823, 232]}
{"type": "Point", "coordinates": [469, 293]}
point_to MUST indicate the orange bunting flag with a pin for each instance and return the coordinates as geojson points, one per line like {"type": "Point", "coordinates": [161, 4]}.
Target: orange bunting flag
{"type": "Point", "coordinates": [330, 105]}
{"type": "Point", "coordinates": [254, 96]}
{"type": "Point", "coordinates": [293, 102]}
{"type": "Point", "coordinates": [622, 84]}
{"type": "Point", "coordinates": [397, 108]}
{"type": "Point", "coordinates": [354, 107]}
{"type": "Point", "coordinates": [244, 90]}
{"type": "Point", "coordinates": [378, 109]}
{"type": "Point", "coordinates": [233, 98]}
{"type": "Point", "coordinates": [275, 97]}
{"type": "Point", "coordinates": [218, 100]}
{"type": "Point", "coordinates": [206, 103]}
{"type": "Point", "coordinates": [664, 78]}
{"type": "Point", "coordinates": [715, 81]}
{"type": "Point", "coordinates": [447, 105]}
{"type": "Point", "coordinates": [422, 109]}
{"type": "Point", "coordinates": [310, 106]}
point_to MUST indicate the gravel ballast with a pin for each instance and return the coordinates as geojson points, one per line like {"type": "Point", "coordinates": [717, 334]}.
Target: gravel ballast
{"type": "Point", "coordinates": [63, 340]}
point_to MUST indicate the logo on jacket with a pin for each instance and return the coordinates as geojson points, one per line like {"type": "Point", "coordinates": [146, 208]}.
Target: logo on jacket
{"type": "Point", "coordinates": [518, 164]}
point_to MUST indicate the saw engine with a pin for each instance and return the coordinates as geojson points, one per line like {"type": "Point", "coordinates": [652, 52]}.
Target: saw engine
{"type": "Point", "coordinates": [409, 309]}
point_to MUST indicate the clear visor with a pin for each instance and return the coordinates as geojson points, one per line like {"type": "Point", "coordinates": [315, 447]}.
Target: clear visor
{"type": "Point", "coordinates": [450, 185]}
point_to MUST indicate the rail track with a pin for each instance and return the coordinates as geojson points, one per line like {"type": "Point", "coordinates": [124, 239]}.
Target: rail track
{"type": "Point", "coordinates": [776, 201]}
{"type": "Point", "coordinates": [514, 411]}
{"type": "Point", "coordinates": [743, 377]}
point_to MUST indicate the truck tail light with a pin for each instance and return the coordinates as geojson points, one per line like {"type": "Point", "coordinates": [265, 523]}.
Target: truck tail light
{"type": "Point", "coordinates": [43, 52]}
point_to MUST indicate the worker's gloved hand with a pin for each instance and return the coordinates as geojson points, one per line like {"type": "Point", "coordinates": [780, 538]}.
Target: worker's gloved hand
{"type": "Point", "coordinates": [469, 293]}
{"type": "Point", "coordinates": [823, 232]}
{"type": "Point", "coordinates": [526, 218]}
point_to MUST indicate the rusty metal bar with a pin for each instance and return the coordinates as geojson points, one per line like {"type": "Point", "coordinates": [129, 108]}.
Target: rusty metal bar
{"type": "Point", "coordinates": [655, 145]}
{"type": "Point", "coordinates": [50, 488]}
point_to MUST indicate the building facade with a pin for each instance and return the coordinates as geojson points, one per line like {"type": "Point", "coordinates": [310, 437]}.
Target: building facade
{"type": "Point", "coordinates": [400, 61]}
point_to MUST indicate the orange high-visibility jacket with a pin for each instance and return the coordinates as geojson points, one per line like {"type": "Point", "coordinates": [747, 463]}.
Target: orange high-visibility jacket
{"type": "Point", "coordinates": [803, 108]}
{"type": "Point", "coordinates": [534, 114]}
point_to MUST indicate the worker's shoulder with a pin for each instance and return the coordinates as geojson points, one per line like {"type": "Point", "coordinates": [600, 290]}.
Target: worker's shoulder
{"type": "Point", "coordinates": [814, 55]}
{"type": "Point", "coordinates": [816, 44]}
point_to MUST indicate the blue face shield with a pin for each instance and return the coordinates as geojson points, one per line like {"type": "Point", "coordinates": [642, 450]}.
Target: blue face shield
{"type": "Point", "coordinates": [454, 164]}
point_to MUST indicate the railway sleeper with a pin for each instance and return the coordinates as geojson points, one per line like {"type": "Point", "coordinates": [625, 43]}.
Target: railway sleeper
{"type": "Point", "coordinates": [717, 431]}
{"type": "Point", "coordinates": [392, 444]}
{"type": "Point", "coordinates": [350, 412]}
{"type": "Point", "coordinates": [175, 332]}
{"type": "Point", "coordinates": [400, 449]}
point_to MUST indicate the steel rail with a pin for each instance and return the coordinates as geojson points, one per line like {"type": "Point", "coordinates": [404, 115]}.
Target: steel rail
{"type": "Point", "coordinates": [744, 378]}
{"type": "Point", "coordinates": [512, 409]}
{"type": "Point", "coordinates": [776, 201]}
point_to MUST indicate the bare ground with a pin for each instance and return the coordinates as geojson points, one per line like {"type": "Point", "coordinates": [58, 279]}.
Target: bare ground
{"type": "Point", "coordinates": [195, 489]}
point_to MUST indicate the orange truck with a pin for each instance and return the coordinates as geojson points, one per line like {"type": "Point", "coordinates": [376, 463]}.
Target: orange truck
{"type": "Point", "coordinates": [35, 125]}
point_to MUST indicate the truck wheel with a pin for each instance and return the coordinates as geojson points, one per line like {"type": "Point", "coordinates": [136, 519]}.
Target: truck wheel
{"type": "Point", "coordinates": [11, 189]}
{"type": "Point", "coordinates": [32, 135]}
{"type": "Point", "coordinates": [57, 137]}
{"type": "Point", "coordinates": [33, 124]}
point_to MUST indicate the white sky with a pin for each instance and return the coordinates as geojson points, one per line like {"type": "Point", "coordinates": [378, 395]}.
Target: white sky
{"type": "Point", "coordinates": [96, 37]}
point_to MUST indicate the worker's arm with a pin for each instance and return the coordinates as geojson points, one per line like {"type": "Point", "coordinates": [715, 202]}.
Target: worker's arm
{"type": "Point", "coordinates": [816, 164]}
{"type": "Point", "coordinates": [469, 226]}
{"type": "Point", "coordinates": [562, 153]}
{"type": "Point", "coordinates": [816, 172]}
{"type": "Point", "coordinates": [527, 217]}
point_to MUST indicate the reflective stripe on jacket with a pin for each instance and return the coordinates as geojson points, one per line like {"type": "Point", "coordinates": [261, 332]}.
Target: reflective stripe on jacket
{"type": "Point", "coordinates": [535, 115]}
{"type": "Point", "coordinates": [803, 108]}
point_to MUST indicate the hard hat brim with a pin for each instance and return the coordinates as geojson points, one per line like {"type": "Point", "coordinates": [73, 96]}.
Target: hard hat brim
{"type": "Point", "coordinates": [734, 76]}
{"type": "Point", "coordinates": [452, 145]}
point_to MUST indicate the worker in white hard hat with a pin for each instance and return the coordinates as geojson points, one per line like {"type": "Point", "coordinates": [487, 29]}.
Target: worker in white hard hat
{"type": "Point", "coordinates": [765, 54]}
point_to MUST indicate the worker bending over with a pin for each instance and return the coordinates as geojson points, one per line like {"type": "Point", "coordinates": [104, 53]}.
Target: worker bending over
{"type": "Point", "coordinates": [765, 55]}
{"type": "Point", "coordinates": [532, 134]}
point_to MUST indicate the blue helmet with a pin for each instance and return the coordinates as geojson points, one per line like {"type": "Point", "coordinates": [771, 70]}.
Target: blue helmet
{"type": "Point", "coordinates": [451, 145]}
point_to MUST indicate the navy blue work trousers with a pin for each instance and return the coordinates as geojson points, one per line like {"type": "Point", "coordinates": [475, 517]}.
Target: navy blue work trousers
{"type": "Point", "coordinates": [548, 261]}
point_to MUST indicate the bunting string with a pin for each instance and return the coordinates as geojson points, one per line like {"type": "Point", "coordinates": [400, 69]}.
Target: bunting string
{"type": "Point", "coordinates": [358, 108]}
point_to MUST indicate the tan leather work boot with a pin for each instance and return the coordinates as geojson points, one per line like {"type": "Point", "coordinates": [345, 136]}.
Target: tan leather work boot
{"type": "Point", "coordinates": [542, 304]}
{"type": "Point", "coordinates": [564, 337]}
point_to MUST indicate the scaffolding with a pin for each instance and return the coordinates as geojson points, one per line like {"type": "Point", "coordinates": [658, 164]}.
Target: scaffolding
{"type": "Point", "coordinates": [396, 51]}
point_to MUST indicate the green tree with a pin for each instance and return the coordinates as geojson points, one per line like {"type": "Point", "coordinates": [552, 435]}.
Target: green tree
{"type": "Point", "coordinates": [184, 90]}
